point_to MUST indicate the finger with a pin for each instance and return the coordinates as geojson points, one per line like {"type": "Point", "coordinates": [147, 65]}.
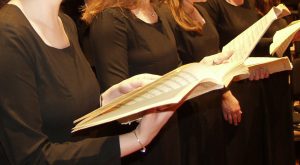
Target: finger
{"type": "Point", "coordinates": [252, 75]}
{"type": "Point", "coordinates": [136, 82]}
{"type": "Point", "coordinates": [147, 76]}
{"type": "Point", "coordinates": [239, 116]}
{"type": "Point", "coordinates": [257, 74]}
{"type": "Point", "coordinates": [143, 79]}
{"type": "Point", "coordinates": [225, 116]}
{"type": "Point", "coordinates": [234, 118]}
{"type": "Point", "coordinates": [222, 58]}
{"type": "Point", "coordinates": [266, 73]}
{"type": "Point", "coordinates": [262, 73]}
{"type": "Point", "coordinates": [229, 118]}
{"type": "Point", "coordinates": [226, 55]}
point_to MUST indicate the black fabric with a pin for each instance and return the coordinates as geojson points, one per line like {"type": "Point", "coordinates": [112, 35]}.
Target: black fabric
{"type": "Point", "coordinates": [279, 119]}
{"type": "Point", "coordinates": [43, 90]}
{"type": "Point", "coordinates": [245, 143]}
{"type": "Point", "coordinates": [266, 110]}
{"type": "Point", "coordinates": [122, 46]}
{"type": "Point", "coordinates": [200, 119]}
{"type": "Point", "coordinates": [3, 157]}
{"type": "Point", "coordinates": [296, 79]}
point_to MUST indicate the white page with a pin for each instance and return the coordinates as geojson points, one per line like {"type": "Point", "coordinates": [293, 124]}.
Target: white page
{"type": "Point", "coordinates": [245, 42]}
{"type": "Point", "coordinates": [282, 38]}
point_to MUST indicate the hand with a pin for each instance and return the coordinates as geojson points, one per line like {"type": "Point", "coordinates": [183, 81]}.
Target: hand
{"type": "Point", "coordinates": [231, 108]}
{"type": "Point", "coordinates": [127, 86]}
{"type": "Point", "coordinates": [153, 121]}
{"type": "Point", "coordinates": [147, 129]}
{"type": "Point", "coordinates": [258, 73]}
{"type": "Point", "coordinates": [217, 59]}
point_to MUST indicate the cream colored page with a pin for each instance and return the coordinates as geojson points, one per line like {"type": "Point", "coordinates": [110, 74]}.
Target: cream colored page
{"type": "Point", "coordinates": [221, 74]}
{"type": "Point", "coordinates": [228, 70]}
{"type": "Point", "coordinates": [241, 70]}
{"type": "Point", "coordinates": [205, 87]}
{"type": "Point", "coordinates": [272, 64]}
{"type": "Point", "coordinates": [245, 42]}
{"type": "Point", "coordinates": [252, 61]}
{"type": "Point", "coordinates": [283, 38]}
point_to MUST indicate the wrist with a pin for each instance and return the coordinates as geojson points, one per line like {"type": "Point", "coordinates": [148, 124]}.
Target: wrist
{"type": "Point", "coordinates": [139, 140]}
{"type": "Point", "coordinates": [226, 94]}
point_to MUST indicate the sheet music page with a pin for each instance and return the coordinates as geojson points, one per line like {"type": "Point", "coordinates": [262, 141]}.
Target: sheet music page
{"type": "Point", "coordinates": [283, 38]}
{"type": "Point", "coordinates": [245, 42]}
{"type": "Point", "coordinates": [252, 61]}
{"type": "Point", "coordinates": [272, 64]}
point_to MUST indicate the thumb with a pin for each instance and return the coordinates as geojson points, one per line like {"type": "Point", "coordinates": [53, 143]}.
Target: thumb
{"type": "Point", "coordinates": [136, 82]}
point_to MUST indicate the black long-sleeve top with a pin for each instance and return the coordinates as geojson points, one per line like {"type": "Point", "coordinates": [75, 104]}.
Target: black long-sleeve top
{"type": "Point", "coordinates": [42, 90]}
{"type": "Point", "coordinates": [122, 45]}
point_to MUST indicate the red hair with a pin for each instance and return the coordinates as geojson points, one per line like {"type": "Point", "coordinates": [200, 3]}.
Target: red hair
{"type": "Point", "coordinates": [93, 7]}
{"type": "Point", "coordinates": [182, 18]}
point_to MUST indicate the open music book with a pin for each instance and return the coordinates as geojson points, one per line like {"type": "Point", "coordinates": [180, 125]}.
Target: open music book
{"type": "Point", "coordinates": [282, 38]}
{"type": "Point", "coordinates": [187, 81]}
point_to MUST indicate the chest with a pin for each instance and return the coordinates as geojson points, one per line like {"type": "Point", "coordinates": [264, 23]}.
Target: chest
{"type": "Point", "coordinates": [148, 42]}
{"type": "Point", "coordinates": [66, 86]}
{"type": "Point", "coordinates": [150, 48]}
{"type": "Point", "coordinates": [235, 19]}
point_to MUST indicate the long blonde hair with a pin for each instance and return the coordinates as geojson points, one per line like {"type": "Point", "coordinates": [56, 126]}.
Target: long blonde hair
{"type": "Point", "coordinates": [182, 18]}
{"type": "Point", "coordinates": [93, 7]}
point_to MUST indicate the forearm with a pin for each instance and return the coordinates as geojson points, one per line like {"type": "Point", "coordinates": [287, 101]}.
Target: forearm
{"type": "Point", "coordinates": [147, 129]}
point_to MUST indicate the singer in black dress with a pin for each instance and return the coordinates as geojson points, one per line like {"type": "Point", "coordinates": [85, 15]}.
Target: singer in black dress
{"type": "Point", "coordinates": [122, 46]}
{"type": "Point", "coordinates": [265, 133]}
{"type": "Point", "coordinates": [43, 90]}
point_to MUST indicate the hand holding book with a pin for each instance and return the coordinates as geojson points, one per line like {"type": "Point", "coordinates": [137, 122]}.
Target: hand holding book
{"type": "Point", "coordinates": [216, 59]}
{"type": "Point", "coordinates": [126, 86]}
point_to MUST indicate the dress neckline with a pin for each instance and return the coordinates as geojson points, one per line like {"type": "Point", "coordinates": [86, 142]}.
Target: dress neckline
{"type": "Point", "coordinates": [37, 35]}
